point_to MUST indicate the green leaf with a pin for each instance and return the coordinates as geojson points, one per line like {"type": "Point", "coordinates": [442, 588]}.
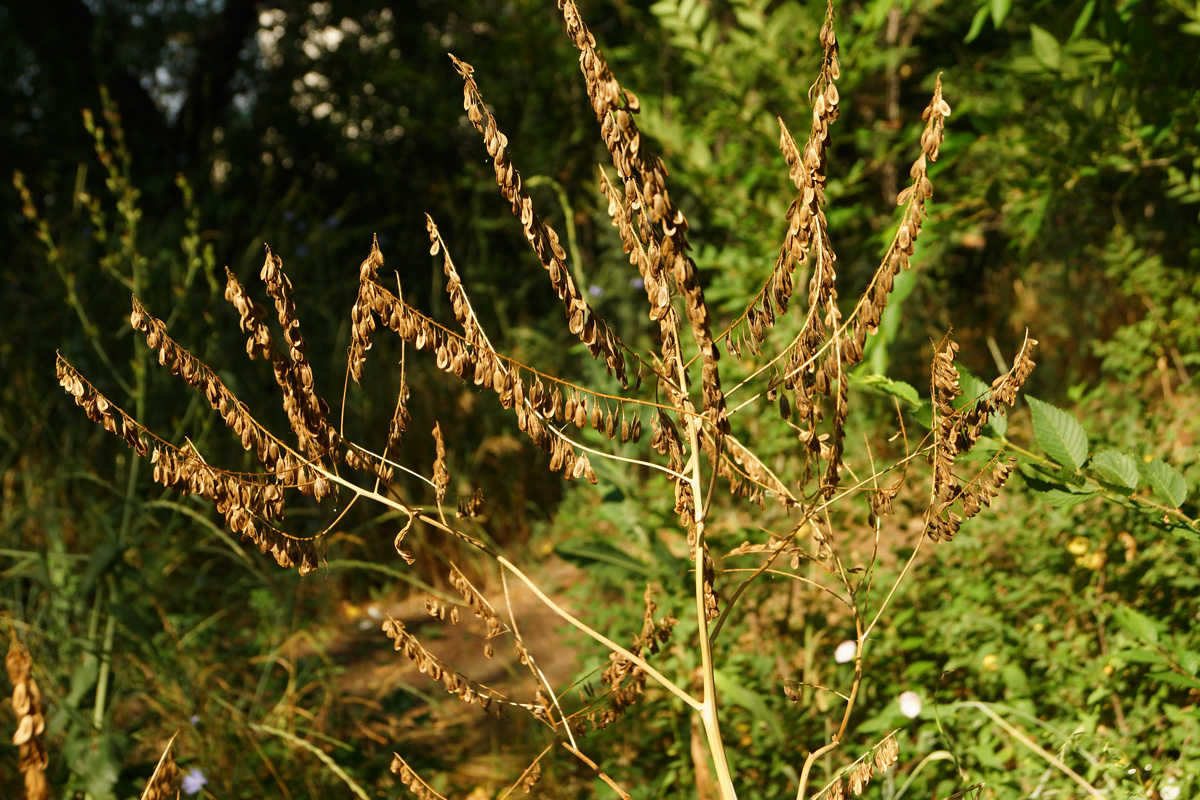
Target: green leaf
{"type": "Point", "coordinates": [973, 388]}
{"type": "Point", "coordinates": [1136, 623]}
{"type": "Point", "coordinates": [1000, 10]}
{"type": "Point", "coordinates": [1045, 48]}
{"type": "Point", "coordinates": [1081, 22]}
{"type": "Point", "coordinates": [976, 24]}
{"type": "Point", "coordinates": [1116, 467]}
{"type": "Point", "coordinates": [752, 701]}
{"type": "Point", "coordinates": [1166, 482]}
{"type": "Point", "coordinates": [923, 414]}
{"type": "Point", "coordinates": [1175, 679]}
{"type": "Point", "coordinates": [592, 553]}
{"type": "Point", "coordinates": [1054, 493]}
{"type": "Point", "coordinates": [881, 384]}
{"type": "Point", "coordinates": [1140, 656]}
{"type": "Point", "coordinates": [1188, 659]}
{"type": "Point", "coordinates": [1059, 433]}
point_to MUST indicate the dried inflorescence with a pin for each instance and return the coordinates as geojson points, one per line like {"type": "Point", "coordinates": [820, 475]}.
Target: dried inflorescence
{"type": "Point", "coordinates": [957, 430]}
{"type": "Point", "coordinates": [412, 781]}
{"type": "Point", "coordinates": [807, 378]}
{"type": "Point", "coordinates": [246, 501]}
{"type": "Point", "coordinates": [626, 680]}
{"type": "Point", "coordinates": [806, 215]}
{"type": "Point", "coordinates": [32, 759]}
{"type": "Point", "coordinates": [307, 413]}
{"type": "Point", "coordinates": [99, 409]}
{"type": "Point", "coordinates": [615, 109]}
{"type": "Point", "coordinates": [480, 606]}
{"type": "Point", "coordinates": [535, 403]}
{"type": "Point", "coordinates": [162, 783]}
{"type": "Point", "coordinates": [852, 781]}
{"type": "Point", "coordinates": [452, 681]}
{"type": "Point", "coordinates": [591, 329]}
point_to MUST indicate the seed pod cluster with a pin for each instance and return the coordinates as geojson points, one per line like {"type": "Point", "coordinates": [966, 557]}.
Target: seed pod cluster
{"type": "Point", "coordinates": [806, 215]}
{"type": "Point", "coordinates": [163, 780]}
{"type": "Point", "coordinates": [626, 681]}
{"type": "Point", "coordinates": [480, 606]}
{"type": "Point", "coordinates": [307, 413]}
{"type": "Point", "coordinates": [957, 430]}
{"type": "Point", "coordinates": [583, 321]}
{"type": "Point", "coordinates": [32, 759]}
{"type": "Point", "coordinates": [536, 405]}
{"type": "Point", "coordinates": [615, 109]}
{"type": "Point", "coordinates": [412, 781]}
{"type": "Point", "coordinates": [427, 663]}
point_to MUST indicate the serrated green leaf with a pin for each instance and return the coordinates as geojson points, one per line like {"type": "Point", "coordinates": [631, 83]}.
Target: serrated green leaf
{"type": "Point", "coordinates": [1136, 623]}
{"type": "Point", "coordinates": [1059, 433]}
{"type": "Point", "coordinates": [1045, 47]}
{"type": "Point", "coordinates": [1116, 467]}
{"type": "Point", "coordinates": [1060, 475]}
{"type": "Point", "coordinates": [1175, 679]}
{"type": "Point", "coordinates": [1166, 482]}
{"type": "Point", "coordinates": [1139, 656]}
{"type": "Point", "coordinates": [1188, 659]}
{"type": "Point", "coordinates": [1053, 493]}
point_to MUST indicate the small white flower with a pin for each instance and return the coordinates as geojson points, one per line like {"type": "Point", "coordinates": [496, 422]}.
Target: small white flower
{"type": "Point", "coordinates": [1170, 790]}
{"type": "Point", "coordinates": [910, 704]}
{"type": "Point", "coordinates": [846, 651]}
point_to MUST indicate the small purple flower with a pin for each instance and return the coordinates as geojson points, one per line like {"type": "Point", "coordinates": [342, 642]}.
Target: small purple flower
{"type": "Point", "coordinates": [301, 250]}
{"type": "Point", "coordinates": [288, 216]}
{"type": "Point", "coordinates": [637, 283]}
{"type": "Point", "coordinates": [195, 720]}
{"type": "Point", "coordinates": [194, 781]}
{"type": "Point", "coordinates": [595, 291]}
{"type": "Point", "coordinates": [332, 222]}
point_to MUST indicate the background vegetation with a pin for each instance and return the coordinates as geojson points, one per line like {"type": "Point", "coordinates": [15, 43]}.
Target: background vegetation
{"type": "Point", "coordinates": [1068, 199]}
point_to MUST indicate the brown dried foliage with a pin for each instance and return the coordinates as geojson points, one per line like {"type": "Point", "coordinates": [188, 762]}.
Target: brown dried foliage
{"type": "Point", "coordinates": [615, 108]}
{"type": "Point", "coordinates": [626, 681]}
{"type": "Point", "coordinates": [591, 329]}
{"type": "Point", "coordinates": [163, 781]}
{"type": "Point", "coordinates": [32, 759]}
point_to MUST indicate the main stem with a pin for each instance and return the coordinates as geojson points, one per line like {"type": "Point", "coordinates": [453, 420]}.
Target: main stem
{"type": "Point", "coordinates": [708, 704]}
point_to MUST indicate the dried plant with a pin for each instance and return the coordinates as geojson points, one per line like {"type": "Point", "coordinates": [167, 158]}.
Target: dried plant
{"type": "Point", "coordinates": [163, 780]}
{"type": "Point", "coordinates": [32, 758]}
{"type": "Point", "coordinates": [699, 444]}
